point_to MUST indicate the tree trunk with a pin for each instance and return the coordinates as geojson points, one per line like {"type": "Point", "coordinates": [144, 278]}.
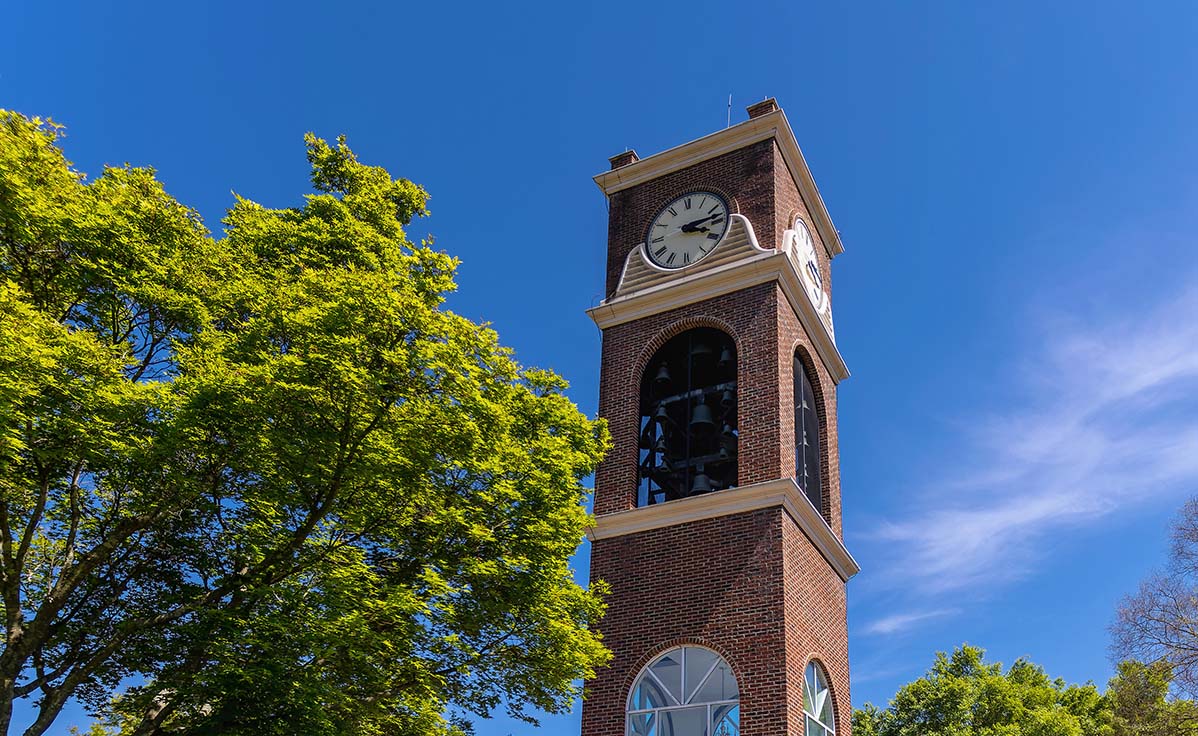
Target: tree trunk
{"type": "Point", "coordinates": [7, 685]}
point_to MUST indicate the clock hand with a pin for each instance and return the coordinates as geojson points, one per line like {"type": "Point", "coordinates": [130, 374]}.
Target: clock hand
{"type": "Point", "coordinates": [691, 227]}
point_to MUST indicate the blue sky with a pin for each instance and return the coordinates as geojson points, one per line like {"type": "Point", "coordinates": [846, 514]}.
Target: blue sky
{"type": "Point", "coordinates": [1014, 185]}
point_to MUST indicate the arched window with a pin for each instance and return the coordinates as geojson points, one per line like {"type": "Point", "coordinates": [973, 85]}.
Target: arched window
{"type": "Point", "coordinates": [807, 451]}
{"type": "Point", "coordinates": [688, 418]}
{"type": "Point", "coordinates": [817, 702]}
{"type": "Point", "coordinates": [688, 691]}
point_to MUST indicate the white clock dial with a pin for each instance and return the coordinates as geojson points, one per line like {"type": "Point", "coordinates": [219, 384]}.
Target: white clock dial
{"type": "Point", "coordinates": [806, 251]}
{"type": "Point", "coordinates": [813, 279]}
{"type": "Point", "coordinates": [687, 229]}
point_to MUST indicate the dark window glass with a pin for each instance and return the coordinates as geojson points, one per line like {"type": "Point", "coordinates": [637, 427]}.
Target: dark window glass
{"type": "Point", "coordinates": [807, 454]}
{"type": "Point", "coordinates": [688, 418]}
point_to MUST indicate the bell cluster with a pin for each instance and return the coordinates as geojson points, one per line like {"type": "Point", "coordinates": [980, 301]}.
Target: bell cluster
{"type": "Point", "coordinates": [688, 418]}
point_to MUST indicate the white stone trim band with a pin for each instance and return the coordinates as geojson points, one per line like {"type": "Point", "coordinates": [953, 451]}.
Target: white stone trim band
{"type": "Point", "coordinates": [783, 492]}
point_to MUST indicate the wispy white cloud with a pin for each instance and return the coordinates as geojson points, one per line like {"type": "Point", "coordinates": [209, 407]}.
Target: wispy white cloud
{"type": "Point", "coordinates": [873, 672]}
{"type": "Point", "coordinates": [1106, 416]}
{"type": "Point", "coordinates": [900, 622]}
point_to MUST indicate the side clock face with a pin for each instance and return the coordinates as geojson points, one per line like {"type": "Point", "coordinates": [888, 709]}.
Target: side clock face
{"type": "Point", "coordinates": [806, 251]}
{"type": "Point", "coordinates": [813, 279]}
{"type": "Point", "coordinates": [687, 229]}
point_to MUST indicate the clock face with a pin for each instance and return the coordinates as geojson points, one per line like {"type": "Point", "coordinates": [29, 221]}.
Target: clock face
{"type": "Point", "coordinates": [806, 252]}
{"type": "Point", "coordinates": [813, 279]}
{"type": "Point", "coordinates": [687, 229]}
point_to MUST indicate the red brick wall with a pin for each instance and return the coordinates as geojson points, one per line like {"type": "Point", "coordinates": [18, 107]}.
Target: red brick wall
{"type": "Point", "coordinates": [750, 318]}
{"type": "Point", "coordinates": [716, 582]}
{"type": "Point", "coordinates": [792, 337]}
{"type": "Point", "coordinates": [816, 626]}
{"type": "Point", "coordinates": [790, 203]}
{"type": "Point", "coordinates": [750, 586]}
{"type": "Point", "coordinates": [745, 177]}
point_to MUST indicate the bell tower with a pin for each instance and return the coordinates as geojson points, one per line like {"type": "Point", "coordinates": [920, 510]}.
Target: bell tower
{"type": "Point", "coordinates": [717, 512]}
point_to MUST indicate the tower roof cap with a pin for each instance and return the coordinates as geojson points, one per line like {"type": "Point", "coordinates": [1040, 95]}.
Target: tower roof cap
{"type": "Point", "coordinates": [768, 123]}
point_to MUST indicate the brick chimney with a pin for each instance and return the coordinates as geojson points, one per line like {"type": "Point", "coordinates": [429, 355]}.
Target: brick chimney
{"type": "Point", "coordinates": [623, 159]}
{"type": "Point", "coordinates": [765, 107]}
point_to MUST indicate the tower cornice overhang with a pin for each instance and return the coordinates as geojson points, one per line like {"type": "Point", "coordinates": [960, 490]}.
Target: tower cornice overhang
{"type": "Point", "coordinates": [783, 492]}
{"type": "Point", "coordinates": [771, 125]}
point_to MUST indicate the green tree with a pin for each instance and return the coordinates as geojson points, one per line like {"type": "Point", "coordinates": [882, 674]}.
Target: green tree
{"type": "Point", "coordinates": [963, 695]}
{"type": "Point", "coordinates": [1159, 623]}
{"type": "Point", "coordinates": [1142, 706]}
{"type": "Point", "coordinates": [269, 477]}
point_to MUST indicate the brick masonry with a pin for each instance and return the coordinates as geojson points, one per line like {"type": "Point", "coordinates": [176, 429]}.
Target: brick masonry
{"type": "Point", "coordinates": [751, 586]}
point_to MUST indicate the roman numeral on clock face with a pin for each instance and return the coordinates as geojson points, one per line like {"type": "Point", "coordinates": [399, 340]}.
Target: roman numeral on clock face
{"type": "Point", "coordinates": [686, 229]}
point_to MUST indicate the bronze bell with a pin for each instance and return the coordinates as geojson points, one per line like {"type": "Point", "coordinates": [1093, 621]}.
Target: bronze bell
{"type": "Point", "coordinates": [724, 454]}
{"type": "Point", "coordinates": [725, 361]}
{"type": "Point", "coordinates": [663, 375]}
{"type": "Point", "coordinates": [660, 447]}
{"type": "Point", "coordinates": [727, 399]}
{"type": "Point", "coordinates": [702, 483]}
{"type": "Point", "coordinates": [728, 435]}
{"type": "Point", "coordinates": [701, 418]}
{"type": "Point", "coordinates": [700, 350]}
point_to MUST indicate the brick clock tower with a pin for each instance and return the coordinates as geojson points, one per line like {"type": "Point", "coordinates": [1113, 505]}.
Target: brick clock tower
{"type": "Point", "coordinates": [717, 513]}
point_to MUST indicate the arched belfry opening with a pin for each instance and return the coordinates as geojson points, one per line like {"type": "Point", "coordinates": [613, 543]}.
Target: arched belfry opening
{"type": "Point", "coordinates": [688, 425]}
{"type": "Point", "coordinates": [807, 436]}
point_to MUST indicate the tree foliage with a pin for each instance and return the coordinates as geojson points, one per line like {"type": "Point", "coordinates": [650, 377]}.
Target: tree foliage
{"type": "Point", "coordinates": [269, 478]}
{"type": "Point", "coordinates": [1142, 705]}
{"type": "Point", "coordinates": [1159, 623]}
{"type": "Point", "coordinates": [963, 695]}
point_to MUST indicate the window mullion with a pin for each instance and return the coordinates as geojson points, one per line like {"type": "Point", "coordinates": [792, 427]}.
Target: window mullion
{"type": "Point", "coordinates": [702, 681]}
{"type": "Point", "coordinates": [664, 689]}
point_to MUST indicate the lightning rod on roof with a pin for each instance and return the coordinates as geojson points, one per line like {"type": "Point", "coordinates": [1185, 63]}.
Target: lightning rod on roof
{"type": "Point", "coordinates": [729, 123]}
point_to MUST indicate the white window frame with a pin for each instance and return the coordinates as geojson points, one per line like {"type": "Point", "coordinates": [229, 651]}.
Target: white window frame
{"type": "Point", "coordinates": [829, 728]}
{"type": "Point", "coordinates": [684, 686]}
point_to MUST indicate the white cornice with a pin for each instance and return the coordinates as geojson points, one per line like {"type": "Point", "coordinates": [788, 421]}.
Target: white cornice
{"type": "Point", "coordinates": [783, 492]}
{"type": "Point", "coordinates": [763, 267]}
{"type": "Point", "coordinates": [772, 125]}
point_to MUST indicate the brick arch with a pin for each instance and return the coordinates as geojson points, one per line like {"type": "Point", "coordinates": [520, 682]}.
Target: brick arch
{"type": "Point", "coordinates": [813, 657]}
{"type": "Point", "coordinates": [821, 412]}
{"type": "Point", "coordinates": [677, 328]}
{"type": "Point", "coordinates": [657, 650]}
